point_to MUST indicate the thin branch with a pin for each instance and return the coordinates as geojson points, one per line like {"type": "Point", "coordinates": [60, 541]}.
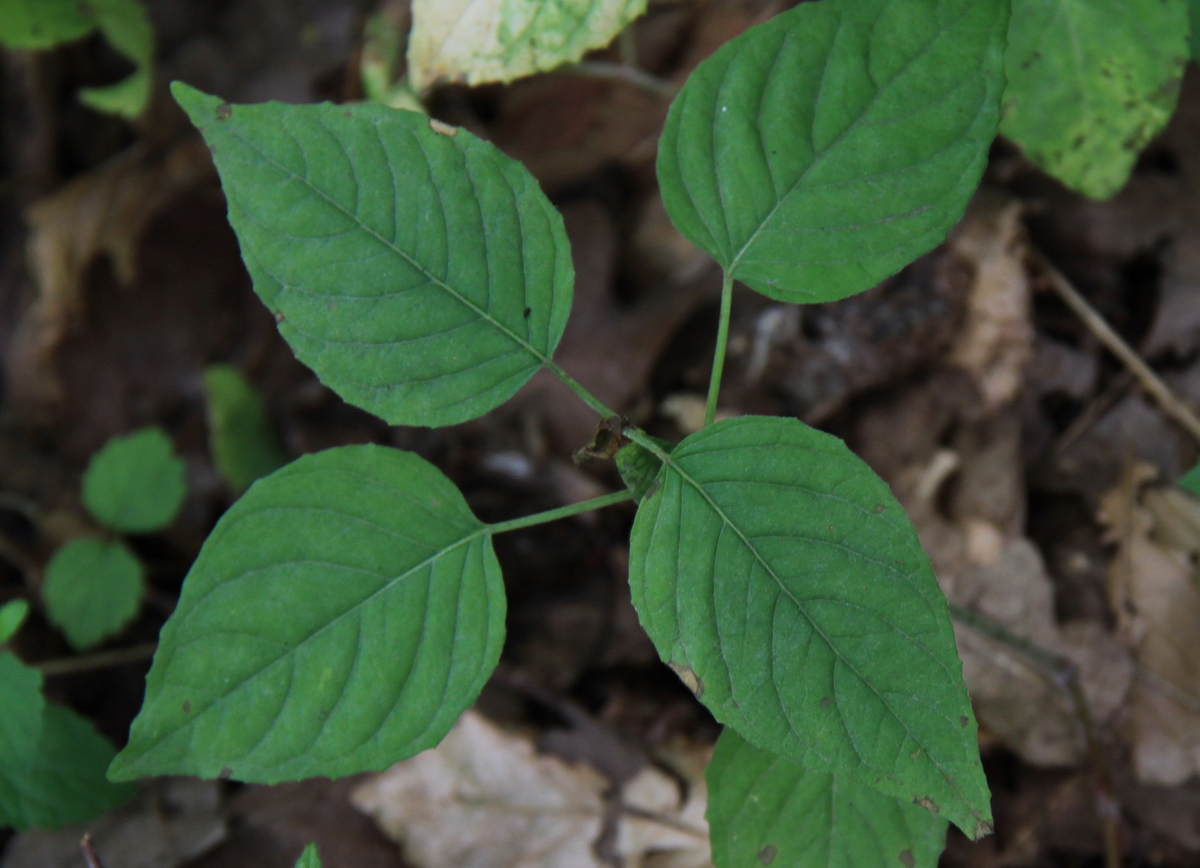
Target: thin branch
{"type": "Point", "coordinates": [1150, 381]}
{"type": "Point", "coordinates": [100, 660]}
{"type": "Point", "coordinates": [89, 852]}
{"type": "Point", "coordinates": [630, 75]}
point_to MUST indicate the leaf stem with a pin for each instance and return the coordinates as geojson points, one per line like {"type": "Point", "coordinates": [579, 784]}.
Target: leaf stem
{"type": "Point", "coordinates": [100, 660]}
{"type": "Point", "coordinates": [562, 512]}
{"type": "Point", "coordinates": [718, 366]}
{"type": "Point", "coordinates": [574, 385]}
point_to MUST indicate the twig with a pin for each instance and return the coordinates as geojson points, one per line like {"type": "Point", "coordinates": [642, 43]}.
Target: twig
{"type": "Point", "coordinates": [89, 852]}
{"type": "Point", "coordinates": [630, 75]}
{"type": "Point", "coordinates": [100, 660]}
{"type": "Point", "coordinates": [1150, 381]}
{"type": "Point", "coordinates": [1062, 673]}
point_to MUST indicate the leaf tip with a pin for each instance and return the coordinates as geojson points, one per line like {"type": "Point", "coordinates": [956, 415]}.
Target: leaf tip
{"type": "Point", "coordinates": [196, 102]}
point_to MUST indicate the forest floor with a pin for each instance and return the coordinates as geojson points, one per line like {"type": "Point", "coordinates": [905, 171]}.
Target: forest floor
{"type": "Point", "coordinates": [1035, 465]}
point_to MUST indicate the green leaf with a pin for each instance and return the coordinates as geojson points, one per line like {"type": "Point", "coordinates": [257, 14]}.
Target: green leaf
{"type": "Point", "coordinates": [310, 858]}
{"type": "Point", "coordinates": [1090, 82]}
{"type": "Point", "coordinates": [766, 810]}
{"type": "Point", "coordinates": [43, 23]}
{"type": "Point", "coordinates": [12, 616]}
{"type": "Point", "coordinates": [824, 150]}
{"type": "Point", "coordinates": [339, 618]}
{"type": "Point", "coordinates": [476, 41]}
{"type": "Point", "coordinates": [422, 274]}
{"type": "Point", "coordinates": [135, 484]}
{"type": "Point", "coordinates": [779, 576]}
{"type": "Point", "coordinates": [244, 444]}
{"type": "Point", "coordinates": [52, 760]}
{"type": "Point", "coordinates": [1194, 21]}
{"type": "Point", "coordinates": [126, 26]}
{"type": "Point", "coordinates": [1190, 481]}
{"type": "Point", "coordinates": [93, 589]}
{"type": "Point", "coordinates": [639, 466]}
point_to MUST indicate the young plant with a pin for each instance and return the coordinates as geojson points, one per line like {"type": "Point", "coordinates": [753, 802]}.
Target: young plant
{"type": "Point", "coordinates": [52, 760]}
{"type": "Point", "coordinates": [242, 440]}
{"type": "Point", "coordinates": [348, 607]}
{"type": "Point", "coordinates": [40, 24]}
{"type": "Point", "coordinates": [93, 585]}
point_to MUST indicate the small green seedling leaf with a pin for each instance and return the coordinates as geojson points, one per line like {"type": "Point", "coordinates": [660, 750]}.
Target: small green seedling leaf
{"type": "Point", "coordinates": [339, 618]}
{"type": "Point", "coordinates": [12, 616]}
{"type": "Point", "coordinates": [310, 858]}
{"type": "Point", "coordinates": [1190, 481]}
{"type": "Point", "coordinates": [777, 574]}
{"type": "Point", "coordinates": [766, 810]}
{"type": "Point", "coordinates": [244, 444]}
{"type": "Point", "coordinates": [417, 270]}
{"type": "Point", "coordinates": [1090, 82]}
{"type": "Point", "coordinates": [42, 23]}
{"type": "Point", "coordinates": [52, 760]}
{"type": "Point", "coordinates": [1194, 21]}
{"type": "Point", "coordinates": [124, 23]}
{"type": "Point", "coordinates": [126, 26]}
{"type": "Point", "coordinates": [93, 589]}
{"type": "Point", "coordinates": [824, 150]}
{"type": "Point", "coordinates": [135, 484]}
{"type": "Point", "coordinates": [639, 466]}
{"type": "Point", "coordinates": [476, 41]}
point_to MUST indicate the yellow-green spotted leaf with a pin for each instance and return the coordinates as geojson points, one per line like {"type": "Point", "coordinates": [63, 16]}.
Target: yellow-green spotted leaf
{"type": "Point", "coordinates": [417, 270]}
{"type": "Point", "coordinates": [776, 572]}
{"type": "Point", "coordinates": [93, 589]}
{"type": "Point", "coordinates": [824, 150]}
{"type": "Point", "coordinates": [476, 41]}
{"type": "Point", "coordinates": [340, 617]}
{"type": "Point", "coordinates": [766, 810]}
{"type": "Point", "coordinates": [1090, 82]}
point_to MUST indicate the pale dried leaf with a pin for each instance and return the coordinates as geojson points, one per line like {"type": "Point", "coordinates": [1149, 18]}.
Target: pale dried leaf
{"type": "Point", "coordinates": [101, 213]}
{"type": "Point", "coordinates": [1153, 589]}
{"type": "Point", "coordinates": [996, 340]}
{"type": "Point", "coordinates": [475, 41]}
{"type": "Point", "coordinates": [485, 798]}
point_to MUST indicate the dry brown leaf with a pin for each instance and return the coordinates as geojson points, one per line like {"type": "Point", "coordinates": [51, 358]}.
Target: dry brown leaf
{"type": "Point", "coordinates": [984, 564]}
{"type": "Point", "coordinates": [101, 213]}
{"type": "Point", "coordinates": [1153, 589]}
{"type": "Point", "coordinates": [485, 798]}
{"type": "Point", "coordinates": [996, 340]}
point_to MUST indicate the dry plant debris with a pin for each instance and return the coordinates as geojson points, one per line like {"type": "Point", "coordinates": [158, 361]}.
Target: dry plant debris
{"type": "Point", "coordinates": [485, 798]}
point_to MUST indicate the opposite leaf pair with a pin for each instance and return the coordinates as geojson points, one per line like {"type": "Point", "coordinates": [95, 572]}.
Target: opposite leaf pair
{"type": "Point", "coordinates": [349, 606]}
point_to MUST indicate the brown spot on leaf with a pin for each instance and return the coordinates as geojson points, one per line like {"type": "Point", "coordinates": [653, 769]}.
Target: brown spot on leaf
{"type": "Point", "coordinates": [187, 707]}
{"type": "Point", "coordinates": [224, 111]}
{"type": "Point", "coordinates": [767, 854]}
{"type": "Point", "coordinates": [879, 507]}
{"type": "Point", "coordinates": [964, 721]}
{"type": "Point", "coordinates": [907, 859]}
{"type": "Point", "coordinates": [927, 803]}
{"type": "Point", "coordinates": [825, 701]}
{"type": "Point", "coordinates": [442, 128]}
{"type": "Point", "coordinates": [279, 318]}
{"type": "Point", "coordinates": [225, 773]}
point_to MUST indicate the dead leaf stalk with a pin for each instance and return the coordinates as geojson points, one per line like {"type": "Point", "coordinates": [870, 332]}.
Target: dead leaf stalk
{"type": "Point", "coordinates": [1098, 326]}
{"type": "Point", "coordinates": [100, 660]}
{"type": "Point", "coordinates": [89, 852]}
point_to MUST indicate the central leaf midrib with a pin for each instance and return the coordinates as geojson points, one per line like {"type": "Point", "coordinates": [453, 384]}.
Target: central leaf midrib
{"type": "Point", "coordinates": [390, 245]}
{"type": "Point", "coordinates": [386, 586]}
{"type": "Point", "coordinates": [836, 141]}
{"type": "Point", "coordinates": [816, 628]}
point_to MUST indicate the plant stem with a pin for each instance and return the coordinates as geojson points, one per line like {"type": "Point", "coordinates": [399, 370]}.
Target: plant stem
{"type": "Point", "coordinates": [101, 660]}
{"type": "Point", "coordinates": [626, 74]}
{"type": "Point", "coordinates": [562, 512]}
{"type": "Point", "coordinates": [718, 365]}
{"type": "Point", "coordinates": [574, 385]}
